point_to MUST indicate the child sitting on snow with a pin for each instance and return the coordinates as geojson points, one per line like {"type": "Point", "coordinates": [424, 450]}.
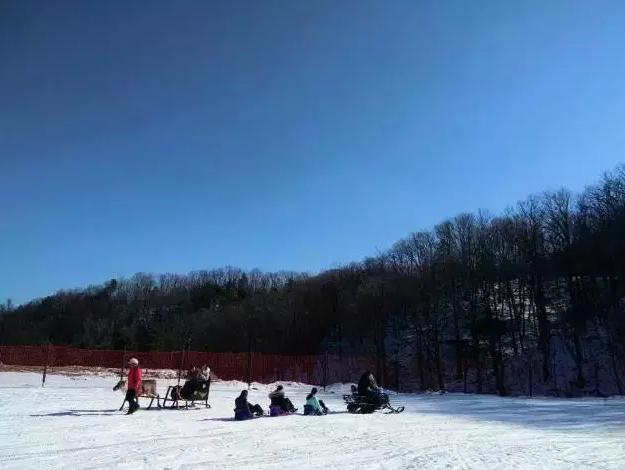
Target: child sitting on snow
{"type": "Point", "coordinates": [244, 409]}
{"type": "Point", "coordinates": [278, 398]}
{"type": "Point", "coordinates": [314, 405]}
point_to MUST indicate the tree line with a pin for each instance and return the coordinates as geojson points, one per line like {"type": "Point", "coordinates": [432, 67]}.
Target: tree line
{"type": "Point", "coordinates": [465, 302]}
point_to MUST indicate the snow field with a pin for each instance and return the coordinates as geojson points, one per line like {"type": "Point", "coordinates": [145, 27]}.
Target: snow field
{"type": "Point", "coordinates": [73, 423]}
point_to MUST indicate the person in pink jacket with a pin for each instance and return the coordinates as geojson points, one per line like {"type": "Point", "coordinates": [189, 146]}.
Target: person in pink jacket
{"type": "Point", "coordinates": [134, 385]}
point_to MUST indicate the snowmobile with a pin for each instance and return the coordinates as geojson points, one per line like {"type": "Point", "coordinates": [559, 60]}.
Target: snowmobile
{"type": "Point", "coordinates": [359, 405]}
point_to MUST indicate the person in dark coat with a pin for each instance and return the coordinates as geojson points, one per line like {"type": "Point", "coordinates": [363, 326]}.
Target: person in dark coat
{"type": "Point", "coordinates": [367, 384]}
{"type": "Point", "coordinates": [278, 398]}
{"type": "Point", "coordinates": [369, 390]}
{"type": "Point", "coordinates": [196, 381]}
{"type": "Point", "coordinates": [191, 384]}
{"type": "Point", "coordinates": [241, 403]}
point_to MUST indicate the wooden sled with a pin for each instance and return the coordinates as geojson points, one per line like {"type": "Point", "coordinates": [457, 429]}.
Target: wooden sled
{"type": "Point", "coordinates": [173, 396]}
{"type": "Point", "coordinates": [148, 390]}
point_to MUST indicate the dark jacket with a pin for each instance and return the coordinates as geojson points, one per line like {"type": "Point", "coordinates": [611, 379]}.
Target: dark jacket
{"type": "Point", "coordinates": [367, 385]}
{"type": "Point", "coordinates": [241, 403]}
{"type": "Point", "coordinates": [277, 397]}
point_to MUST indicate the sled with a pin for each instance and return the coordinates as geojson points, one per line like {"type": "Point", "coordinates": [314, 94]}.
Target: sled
{"type": "Point", "coordinates": [244, 415]}
{"type": "Point", "coordinates": [148, 390]}
{"type": "Point", "coordinates": [275, 411]}
{"type": "Point", "coordinates": [310, 411]}
{"type": "Point", "coordinates": [359, 405]}
{"type": "Point", "coordinates": [173, 396]}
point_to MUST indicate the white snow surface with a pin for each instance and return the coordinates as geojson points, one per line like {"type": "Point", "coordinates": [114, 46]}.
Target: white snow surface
{"type": "Point", "coordinates": [73, 423]}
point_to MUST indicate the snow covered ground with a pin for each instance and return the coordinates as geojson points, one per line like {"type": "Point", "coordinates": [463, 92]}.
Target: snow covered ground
{"type": "Point", "coordinates": [73, 423]}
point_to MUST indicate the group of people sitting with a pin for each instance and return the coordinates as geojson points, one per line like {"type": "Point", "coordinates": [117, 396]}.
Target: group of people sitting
{"type": "Point", "coordinates": [280, 404]}
{"type": "Point", "coordinates": [367, 390]}
{"type": "Point", "coordinates": [197, 379]}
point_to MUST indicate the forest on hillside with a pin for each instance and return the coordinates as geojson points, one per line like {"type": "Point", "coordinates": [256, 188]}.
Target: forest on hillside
{"type": "Point", "coordinates": [477, 296]}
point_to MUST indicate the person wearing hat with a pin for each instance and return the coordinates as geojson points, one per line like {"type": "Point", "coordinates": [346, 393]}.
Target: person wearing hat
{"type": "Point", "coordinates": [278, 398]}
{"type": "Point", "coordinates": [318, 406]}
{"type": "Point", "coordinates": [134, 385]}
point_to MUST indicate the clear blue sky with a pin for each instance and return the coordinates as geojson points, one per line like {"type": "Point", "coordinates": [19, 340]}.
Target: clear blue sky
{"type": "Point", "coordinates": [166, 136]}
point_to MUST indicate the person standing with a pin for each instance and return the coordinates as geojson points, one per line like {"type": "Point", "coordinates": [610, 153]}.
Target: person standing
{"type": "Point", "coordinates": [134, 385]}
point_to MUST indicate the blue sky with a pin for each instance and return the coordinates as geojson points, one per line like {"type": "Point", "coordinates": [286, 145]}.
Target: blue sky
{"type": "Point", "coordinates": [172, 136]}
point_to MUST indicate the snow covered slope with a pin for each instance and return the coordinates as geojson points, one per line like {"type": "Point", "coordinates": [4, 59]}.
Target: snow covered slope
{"type": "Point", "coordinates": [72, 423]}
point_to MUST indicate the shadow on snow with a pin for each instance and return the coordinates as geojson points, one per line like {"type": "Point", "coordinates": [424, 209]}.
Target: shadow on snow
{"type": "Point", "coordinates": [556, 414]}
{"type": "Point", "coordinates": [78, 413]}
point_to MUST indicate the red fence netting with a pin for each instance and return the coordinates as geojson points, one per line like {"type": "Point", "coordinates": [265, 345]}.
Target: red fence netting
{"type": "Point", "coordinates": [254, 367]}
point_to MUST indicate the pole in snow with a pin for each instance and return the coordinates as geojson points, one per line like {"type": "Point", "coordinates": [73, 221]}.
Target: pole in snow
{"type": "Point", "coordinates": [45, 366]}
{"type": "Point", "coordinates": [325, 372]}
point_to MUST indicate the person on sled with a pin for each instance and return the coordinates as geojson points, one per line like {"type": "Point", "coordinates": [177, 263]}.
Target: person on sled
{"type": "Point", "coordinates": [204, 373]}
{"type": "Point", "coordinates": [278, 398]}
{"type": "Point", "coordinates": [134, 385]}
{"type": "Point", "coordinates": [244, 409]}
{"type": "Point", "coordinates": [369, 391]}
{"type": "Point", "coordinates": [314, 405]}
{"type": "Point", "coordinates": [195, 380]}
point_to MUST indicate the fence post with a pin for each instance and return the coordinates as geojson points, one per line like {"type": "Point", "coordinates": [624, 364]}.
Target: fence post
{"type": "Point", "coordinates": [465, 373]}
{"type": "Point", "coordinates": [123, 366]}
{"type": "Point", "coordinates": [325, 371]}
{"type": "Point", "coordinates": [397, 375]}
{"type": "Point", "coordinates": [249, 368]}
{"type": "Point", "coordinates": [531, 379]}
{"type": "Point", "coordinates": [184, 348]}
{"type": "Point", "coordinates": [597, 393]}
{"type": "Point", "coordinates": [45, 366]}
